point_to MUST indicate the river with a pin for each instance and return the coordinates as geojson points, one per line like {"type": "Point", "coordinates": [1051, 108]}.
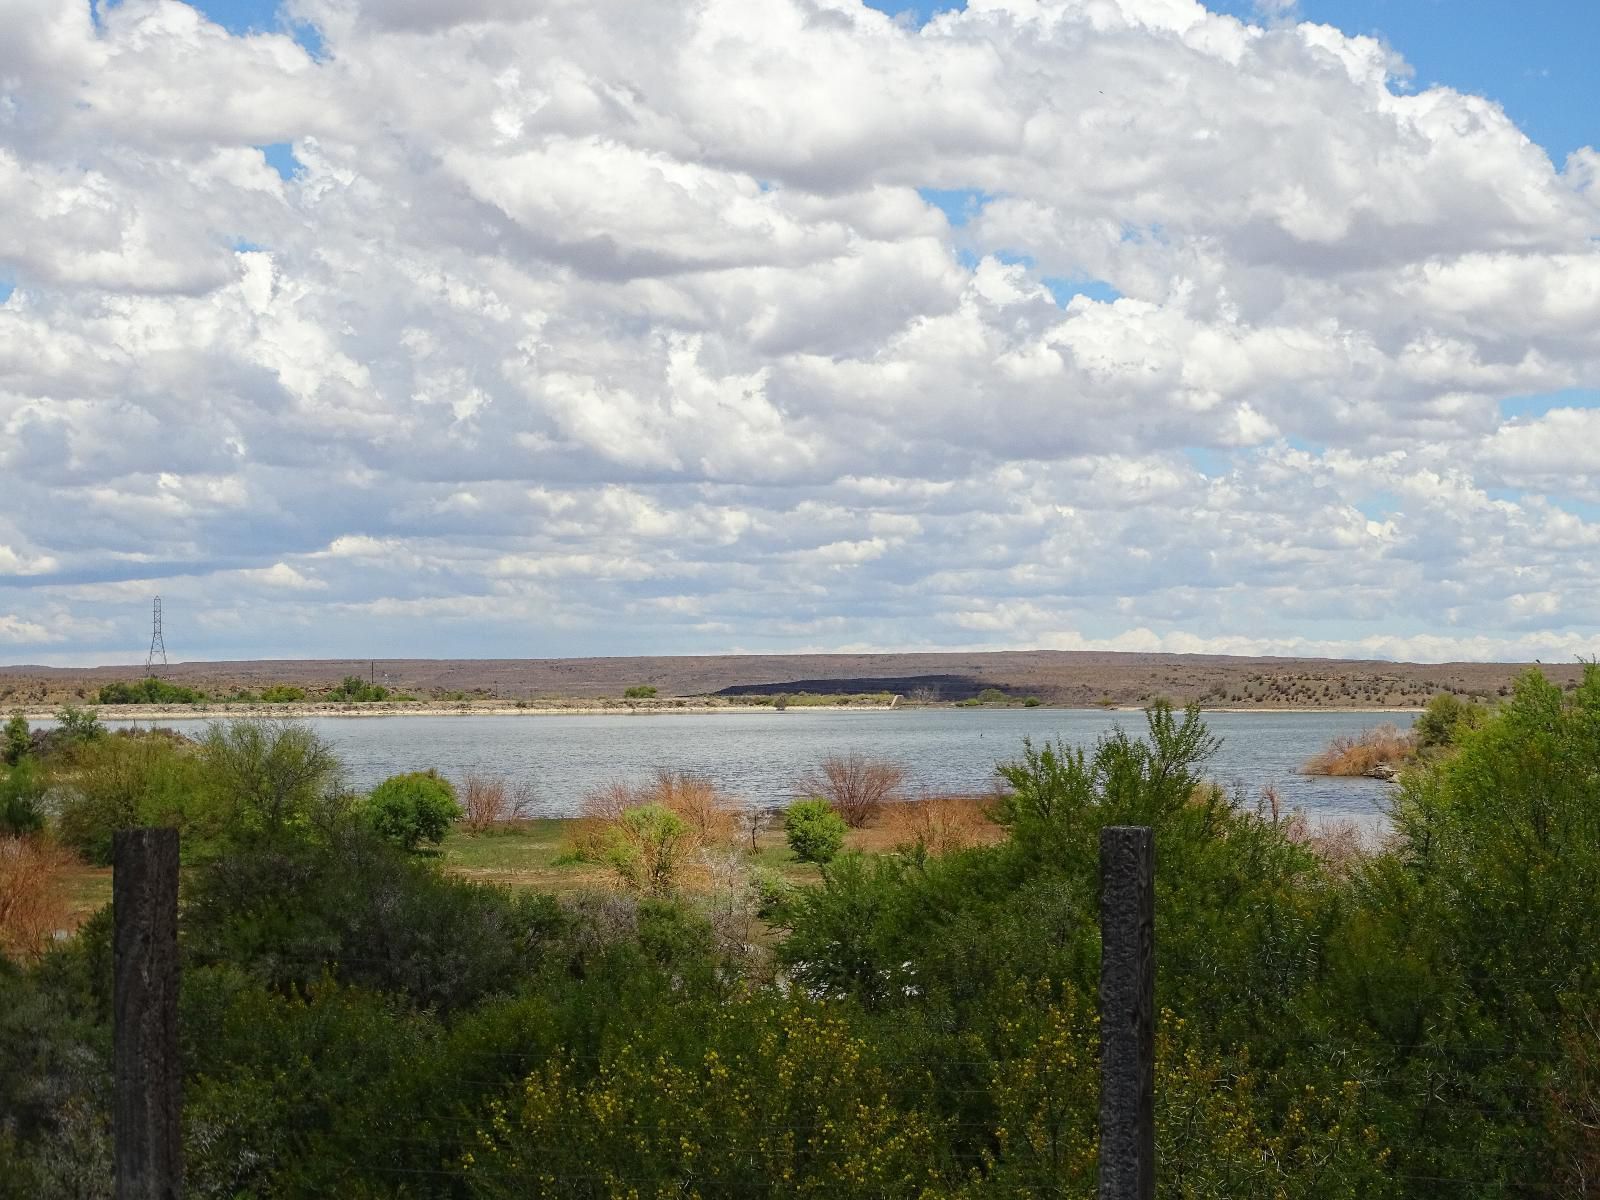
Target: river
{"type": "Point", "coordinates": [759, 754]}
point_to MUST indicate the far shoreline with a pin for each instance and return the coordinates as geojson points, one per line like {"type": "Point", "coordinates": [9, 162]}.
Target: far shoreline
{"type": "Point", "coordinates": [297, 712]}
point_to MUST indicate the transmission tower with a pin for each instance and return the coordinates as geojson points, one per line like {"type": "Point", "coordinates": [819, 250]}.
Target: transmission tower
{"type": "Point", "coordinates": [158, 645]}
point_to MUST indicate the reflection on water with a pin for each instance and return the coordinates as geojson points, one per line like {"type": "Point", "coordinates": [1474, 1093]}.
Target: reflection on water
{"type": "Point", "coordinates": [758, 754]}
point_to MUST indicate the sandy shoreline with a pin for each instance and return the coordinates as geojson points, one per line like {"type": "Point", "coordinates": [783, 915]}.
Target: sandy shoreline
{"type": "Point", "coordinates": [168, 712]}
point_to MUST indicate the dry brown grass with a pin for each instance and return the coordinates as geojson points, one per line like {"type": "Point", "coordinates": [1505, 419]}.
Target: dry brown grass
{"type": "Point", "coordinates": [492, 802]}
{"type": "Point", "coordinates": [855, 785]}
{"type": "Point", "coordinates": [33, 895]}
{"type": "Point", "coordinates": [1341, 845]}
{"type": "Point", "coordinates": [1378, 752]}
{"type": "Point", "coordinates": [712, 818]}
{"type": "Point", "coordinates": [940, 824]}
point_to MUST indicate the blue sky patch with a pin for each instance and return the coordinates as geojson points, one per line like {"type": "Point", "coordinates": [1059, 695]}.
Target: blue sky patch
{"type": "Point", "coordinates": [1210, 463]}
{"type": "Point", "coordinates": [960, 205]}
{"type": "Point", "coordinates": [920, 12]}
{"type": "Point", "coordinates": [1538, 405]}
{"type": "Point", "coordinates": [1065, 289]}
{"type": "Point", "coordinates": [280, 157]}
{"type": "Point", "coordinates": [1379, 506]}
{"type": "Point", "coordinates": [1536, 60]}
{"type": "Point", "coordinates": [259, 16]}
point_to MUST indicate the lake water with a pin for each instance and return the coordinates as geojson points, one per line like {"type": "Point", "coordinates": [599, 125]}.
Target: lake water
{"type": "Point", "coordinates": [759, 754]}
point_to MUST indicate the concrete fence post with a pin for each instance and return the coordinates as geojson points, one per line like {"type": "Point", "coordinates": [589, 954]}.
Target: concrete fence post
{"type": "Point", "coordinates": [148, 1099]}
{"type": "Point", "coordinates": [1127, 1013]}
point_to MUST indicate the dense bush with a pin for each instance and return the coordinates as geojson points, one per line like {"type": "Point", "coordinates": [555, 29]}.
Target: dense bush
{"type": "Point", "coordinates": [111, 783]}
{"type": "Point", "coordinates": [17, 740]}
{"type": "Point", "coordinates": [353, 689]}
{"type": "Point", "coordinates": [1443, 722]}
{"type": "Point", "coordinates": [814, 831]}
{"type": "Point", "coordinates": [640, 691]}
{"type": "Point", "coordinates": [648, 846]}
{"type": "Point", "coordinates": [149, 691]}
{"type": "Point", "coordinates": [22, 793]}
{"type": "Point", "coordinates": [413, 810]}
{"type": "Point", "coordinates": [272, 781]}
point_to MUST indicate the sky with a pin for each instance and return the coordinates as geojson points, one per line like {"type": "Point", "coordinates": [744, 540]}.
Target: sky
{"type": "Point", "coordinates": [499, 328]}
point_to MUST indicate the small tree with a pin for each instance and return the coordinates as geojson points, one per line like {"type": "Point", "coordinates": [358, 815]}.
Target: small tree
{"type": "Point", "coordinates": [489, 801]}
{"type": "Point", "coordinates": [275, 779]}
{"type": "Point", "coordinates": [1444, 720]}
{"type": "Point", "coordinates": [855, 785]}
{"type": "Point", "coordinates": [648, 847]}
{"type": "Point", "coordinates": [755, 819]}
{"type": "Point", "coordinates": [79, 724]}
{"type": "Point", "coordinates": [412, 809]}
{"type": "Point", "coordinates": [815, 831]}
{"type": "Point", "coordinates": [640, 691]}
{"type": "Point", "coordinates": [18, 738]}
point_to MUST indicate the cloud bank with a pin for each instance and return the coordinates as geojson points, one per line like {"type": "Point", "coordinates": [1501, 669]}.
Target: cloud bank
{"type": "Point", "coordinates": [487, 328]}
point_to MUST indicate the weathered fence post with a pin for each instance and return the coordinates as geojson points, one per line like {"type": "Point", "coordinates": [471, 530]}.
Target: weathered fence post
{"type": "Point", "coordinates": [1127, 1013]}
{"type": "Point", "coordinates": [144, 905]}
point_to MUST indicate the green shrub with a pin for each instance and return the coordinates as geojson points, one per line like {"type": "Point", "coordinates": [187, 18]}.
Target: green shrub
{"type": "Point", "coordinates": [641, 691]}
{"type": "Point", "coordinates": [272, 780]}
{"type": "Point", "coordinates": [112, 783]}
{"type": "Point", "coordinates": [413, 809]}
{"type": "Point", "coordinates": [814, 831]}
{"type": "Point", "coordinates": [17, 740]}
{"type": "Point", "coordinates": [77, 725]}
{"type": "Point", "coordinates": [282, 693]}
{"type": "Point", "coordinates": [1031, 702]}
{"type": "Point", "coordinates": [149, 691]}
{"type": "Point", "coordinates": [648, 845]}
{"type": "Point", "coordinates": [1446, 718]}
{"type": "Point", "coordinates": [22, 790]}
{"type": "Point", "coordinates": [353, 689]}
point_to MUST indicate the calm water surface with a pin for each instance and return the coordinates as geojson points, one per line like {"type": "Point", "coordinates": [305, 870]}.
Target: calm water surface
{"type": "Point", "coordinates": [758, 754]}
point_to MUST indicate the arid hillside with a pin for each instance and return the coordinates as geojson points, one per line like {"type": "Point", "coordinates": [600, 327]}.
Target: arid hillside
{"type": "Point", "coordinates": [1073, 678]}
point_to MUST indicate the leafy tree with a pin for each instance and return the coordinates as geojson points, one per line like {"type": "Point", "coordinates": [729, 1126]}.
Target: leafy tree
{"type": "Point", "coordinates": [414, 809]}
{"type": "Point", "coordinates": [273, 780]}
{"type": "Point", "coordinates": [17, 740]}
{"type": "Point", "coordinates": [814, 831]}
{"type": "Point", "coordinates": [641, 691]}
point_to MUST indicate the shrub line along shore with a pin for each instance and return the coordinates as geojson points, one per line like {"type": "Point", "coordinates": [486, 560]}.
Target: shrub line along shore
{"type": "Point", "coordinates": [501, 708]}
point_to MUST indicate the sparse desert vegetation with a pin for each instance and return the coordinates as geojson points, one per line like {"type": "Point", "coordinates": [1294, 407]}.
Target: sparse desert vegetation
{"type": "Point", "coordinates": [1083, 679]}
